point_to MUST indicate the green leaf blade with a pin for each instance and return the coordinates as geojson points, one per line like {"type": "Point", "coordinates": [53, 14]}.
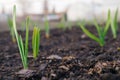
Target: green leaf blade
{"type": "Point", "coordinates": [89, 34]}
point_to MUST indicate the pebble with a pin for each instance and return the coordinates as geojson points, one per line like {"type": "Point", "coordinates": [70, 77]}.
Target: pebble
{"type": "Point", "coordinates": [54, 57]}
{"type": "Point", "coordinates": [25, 73]}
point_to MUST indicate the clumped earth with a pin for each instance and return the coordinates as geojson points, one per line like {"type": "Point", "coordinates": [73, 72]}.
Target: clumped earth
{"type": "Point", "coordinates": [67, 55]}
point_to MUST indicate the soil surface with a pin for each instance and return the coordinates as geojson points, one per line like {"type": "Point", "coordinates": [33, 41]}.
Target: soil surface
{"type": "Point", "coordinates": [67, 55]}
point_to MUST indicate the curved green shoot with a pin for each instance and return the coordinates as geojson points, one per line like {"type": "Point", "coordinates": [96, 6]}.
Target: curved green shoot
{"type": "Point", "coordinates": [35, 41]}
{"type": "Point", "coordinates": [23, 49]}
{"type": "Point", "coordinates": [27, 35]}
{"type": "Point", "coordinates": [114, 26]}
{"type": "Point", "coordinates": [62, 23]}
{"type": "Point", "coordinates": [47, 28]}
{"type": "Point", "coordinates": [89, 34]}
{"type": "Point", "coordinates": [107, 25]}
{"type": "Point", "coordinates": [102, 31]}
{"type": "Point", "coordinates": [10, 24]}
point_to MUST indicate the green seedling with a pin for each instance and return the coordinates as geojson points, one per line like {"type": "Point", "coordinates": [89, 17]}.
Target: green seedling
{"type": "Point", "coordinates": [35, 41]}
{"type": "Point", "coordinates": [114, 26]}
{"type": "Point", "coordinates": [23, 48]}
{"type": "Point", "coordinates": [23, 24]}
{"type": "Point", "coordinates": [102, 31]}
{"type": "Point", "coordinates": [69, 24]}
{"type": "Point", "coordinates": [47, 28]}
{"type": "Point", "coordinates": [12, 33]}
{"type": "Point", "coordinates": [62, 23]}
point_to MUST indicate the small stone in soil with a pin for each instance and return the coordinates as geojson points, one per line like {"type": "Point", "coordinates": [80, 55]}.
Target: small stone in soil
{"type": "Point", "coordinates": [44, 78]}
{"type": "Point", "coordinates": [42, 66]}
{"type": "Point", "coordinates": [83, 36]}
{"type": "Point", "coordinates": [30, 56]}
{"type": "Point", "coordinates": [25, 73]}
{"type": "Point", "coordinates": [64, 68]}
{"type": "Point", "coordinates": [53, 75]}
{"type": "Point", "coordinates": [68, 58]}
{"type": "Point", "coordinates": [54, 57]}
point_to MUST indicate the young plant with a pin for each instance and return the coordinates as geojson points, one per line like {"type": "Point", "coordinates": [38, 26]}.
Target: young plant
{"type": "Point", "coordinates": [35, 41]}
{"type": "Point", "coordinates": [23, 48]}
{"type": "Point", "coordinates": [114, 26]}
{"type": "Point", "coordinates": [69, 24]}
{"type": "Point", "coordinates": [47, 28]}
{"type": "Point", "coordinates": [12, 33]}
{"type": "Point", "coordinates": [102, 31]}
{"type": "Point", "coordinates": [23, 24]}
{"type": "Point", "coordinates": [62, 23]}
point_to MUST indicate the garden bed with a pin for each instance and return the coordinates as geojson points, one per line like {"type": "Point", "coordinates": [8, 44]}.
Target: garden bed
{"type": "Point", "coordinates": [66, 55]}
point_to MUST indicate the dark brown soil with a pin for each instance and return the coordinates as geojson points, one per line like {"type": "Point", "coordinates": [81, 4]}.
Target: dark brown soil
{"type": "Point", "coordinates": [66, 55]}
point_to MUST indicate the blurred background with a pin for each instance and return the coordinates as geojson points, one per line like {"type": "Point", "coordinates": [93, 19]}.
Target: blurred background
{"type": "Point", "coordinates": [55, 10]}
